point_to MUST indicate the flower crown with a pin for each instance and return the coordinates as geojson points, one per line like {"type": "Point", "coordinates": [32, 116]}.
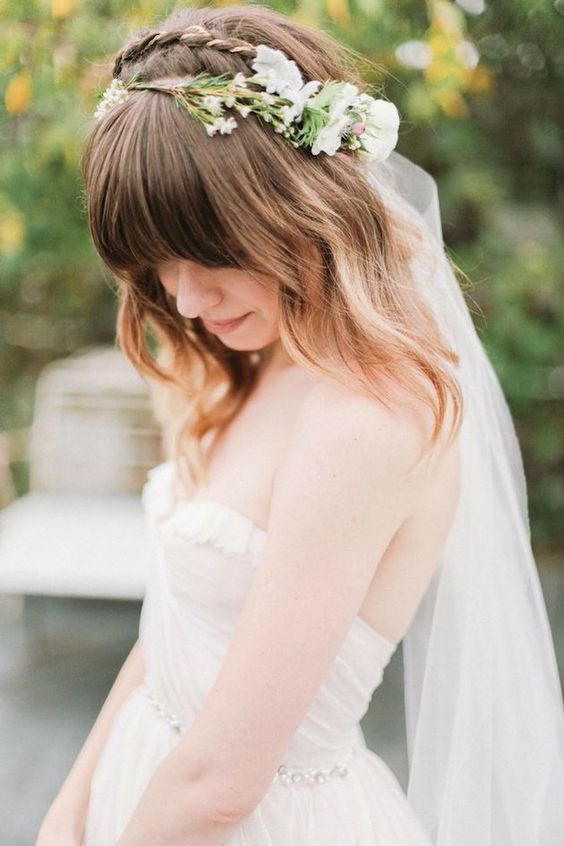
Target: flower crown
{"type": "Point", "coordinates": [323, 117]}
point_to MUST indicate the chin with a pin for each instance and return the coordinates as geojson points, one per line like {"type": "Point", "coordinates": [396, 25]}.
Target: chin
{"type": "Point", "coordinates": [246, 347]}
{"type": "Point", "coordinates": [249, 344]}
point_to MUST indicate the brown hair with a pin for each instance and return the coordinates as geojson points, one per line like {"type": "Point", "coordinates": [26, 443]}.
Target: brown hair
{"type": "Point", "coordinates": [154, 195]}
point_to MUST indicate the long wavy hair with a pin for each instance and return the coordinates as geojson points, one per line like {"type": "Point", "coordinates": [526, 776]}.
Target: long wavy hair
{"type": "Point", "coordinates": [158, 188]}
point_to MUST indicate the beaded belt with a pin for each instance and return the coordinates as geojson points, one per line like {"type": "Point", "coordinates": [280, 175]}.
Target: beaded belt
{"type": "Point", "coordinates": [286, 775]}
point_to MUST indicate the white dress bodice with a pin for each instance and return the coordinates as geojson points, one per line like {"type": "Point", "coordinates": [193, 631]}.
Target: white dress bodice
{"type": "Point", "coordinates": [330, 790]}
{"type": "Point", "coordinates": [207, 552]}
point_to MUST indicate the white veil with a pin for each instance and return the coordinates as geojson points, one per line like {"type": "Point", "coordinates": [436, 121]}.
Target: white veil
{"type": "Point", "coordinates": [484, 710]}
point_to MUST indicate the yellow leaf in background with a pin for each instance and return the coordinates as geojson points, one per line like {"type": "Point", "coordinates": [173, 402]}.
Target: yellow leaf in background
{"type": "Point", "coordinates": [12, 231]}
{"type": "Point", "coordinates": [62, 8]}
{"type": "Point", "coordinates": [447, 17]}
{"type": "Point", "coordinates": [481, 80]}
{"type": "Point", "coordinates": [338, 11]}
{"type": "Point", "coordinates": [452, 104]}
{"type": "Point", "coordinates": [438, 71]}
{"type": "Point", "coordinates": [18, 93]}
{"type": "Point", "coordinates": [446, 65]}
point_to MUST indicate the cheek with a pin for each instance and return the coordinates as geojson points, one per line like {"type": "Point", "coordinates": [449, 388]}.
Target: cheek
{"type": "Point", "coordinates": [267, 310]}
{"type": "Point", "coordinates": [266, 298]}
{"type": "Point", "coordinates": [273, 307]}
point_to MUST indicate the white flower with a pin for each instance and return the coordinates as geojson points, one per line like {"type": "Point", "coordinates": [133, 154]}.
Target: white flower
{"type": "Point", "coordinates": [239, 80]}
{"type": "Point", "coordinates": [300, 97]}
{"type": "Point", "coordinates": [227, 125]}
{"type": "Point", "coordinates": [212, 104]}
{"type": "Point", "coordinates": [287, 114]}
{"type": "Point", "coordinates": [329, 138]}
{"type": "Point", "coordinates": [281, 75]}
{"type": "Point", "coordinates": [115, 94]}
{"type": "Point", "coordinates": [222, 125]}
{"type": "Point", "coordinates": [277, 70]}
{"type": "Point", "coordinates": [382, 123]}
{"type": "Point", "coordinates": [243, 110]}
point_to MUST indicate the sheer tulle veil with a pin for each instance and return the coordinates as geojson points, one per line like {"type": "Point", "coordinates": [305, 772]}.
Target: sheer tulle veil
{"type": "Point", "coordinates": [483, 701]}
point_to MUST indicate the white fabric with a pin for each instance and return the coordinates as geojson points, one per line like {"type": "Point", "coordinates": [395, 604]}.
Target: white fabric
{"type": "Point", "coordinates": [485, 719]}
{"type": "Point", "coordinates": [204, 558]}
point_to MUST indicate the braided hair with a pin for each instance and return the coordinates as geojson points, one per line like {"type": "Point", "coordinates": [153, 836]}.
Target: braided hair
{"type": "Point", "coordinates": [193, 35]}
{"type": "Point", "coordinates": [215, 36]}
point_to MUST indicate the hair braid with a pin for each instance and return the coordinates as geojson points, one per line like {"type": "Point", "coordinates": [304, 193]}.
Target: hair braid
{"type": "Point", "coordinates": [193, 35]}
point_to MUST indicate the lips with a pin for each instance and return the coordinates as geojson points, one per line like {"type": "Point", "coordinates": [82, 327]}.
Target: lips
{"type": "Point", "coordinates": [223, 325]}
{"type": "Point", "coordinates": [223, 322]}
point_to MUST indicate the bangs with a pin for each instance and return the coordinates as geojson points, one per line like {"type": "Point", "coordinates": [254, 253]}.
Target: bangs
{"type": "Point", "coordinates": [149, 204]}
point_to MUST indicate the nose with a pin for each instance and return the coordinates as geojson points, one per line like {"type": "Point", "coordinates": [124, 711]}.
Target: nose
{"type": "Point", "coordinates": [195, 296]}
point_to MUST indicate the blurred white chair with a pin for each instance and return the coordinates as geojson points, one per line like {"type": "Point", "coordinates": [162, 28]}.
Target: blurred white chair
{"type": "Point", "coordinates": [80, 530]}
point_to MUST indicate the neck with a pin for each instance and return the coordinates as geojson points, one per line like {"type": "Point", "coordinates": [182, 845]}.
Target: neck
{"type": "Point", "coordinates": [274, 359]}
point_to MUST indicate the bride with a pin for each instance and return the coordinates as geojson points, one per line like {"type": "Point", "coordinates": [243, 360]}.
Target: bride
{"type": "Point", "coordinates": [342, 473]}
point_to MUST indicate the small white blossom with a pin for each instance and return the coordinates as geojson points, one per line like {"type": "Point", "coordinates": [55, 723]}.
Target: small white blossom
{"type": "Point", "coordinates": [229, 102]}
{"type": "Point", "coordinates": [115, 94]}
{"type": "Point", "coordinates": [222, 125]}
{"type": "Point", "coordinates": [226, 125]}
{"type": "Point", "coordinates": [243, 110]}
{"type": "Point", "coordinates": [287, 114]}
{"type": "Point", "coordinates": [212, 104]}
{"type": "Point", "coordinates": [239, 80]}
{"type": "Point", "coordinates": [269, 99]}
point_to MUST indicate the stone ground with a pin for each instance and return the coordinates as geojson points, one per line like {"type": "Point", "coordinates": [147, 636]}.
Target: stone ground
{"type": "Point", "coordinates": [58, 660]}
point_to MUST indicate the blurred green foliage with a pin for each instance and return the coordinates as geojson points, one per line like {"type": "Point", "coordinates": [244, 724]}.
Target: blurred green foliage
{"type": "Point", "coordinates": [479, 90]}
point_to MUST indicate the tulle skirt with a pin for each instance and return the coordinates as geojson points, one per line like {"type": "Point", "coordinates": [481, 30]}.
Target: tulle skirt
{"type": "Point", "coordinates": [368, 807]}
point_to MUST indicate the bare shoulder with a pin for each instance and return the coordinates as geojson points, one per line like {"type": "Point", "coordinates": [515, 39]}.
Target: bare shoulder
{"type": "Point", "coordinates": [346, 418]}
{"type": "Point", "coordinates": [351, 471]}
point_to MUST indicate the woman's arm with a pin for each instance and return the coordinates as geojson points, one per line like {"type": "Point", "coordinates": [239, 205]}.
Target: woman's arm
{"type": "Point", "coordinates": [67, 814]}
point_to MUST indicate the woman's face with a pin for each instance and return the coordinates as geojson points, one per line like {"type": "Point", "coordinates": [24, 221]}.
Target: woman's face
{"type": "Point", "coordinates": [222, 294]}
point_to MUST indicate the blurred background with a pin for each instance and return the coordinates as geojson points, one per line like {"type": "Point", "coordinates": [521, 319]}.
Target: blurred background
{"type": "Point", "coordinates": [479, 89]}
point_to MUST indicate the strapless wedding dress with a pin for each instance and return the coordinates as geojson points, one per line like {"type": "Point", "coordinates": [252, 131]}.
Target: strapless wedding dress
{"type": "Point", "coordinates": [330, 790]}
